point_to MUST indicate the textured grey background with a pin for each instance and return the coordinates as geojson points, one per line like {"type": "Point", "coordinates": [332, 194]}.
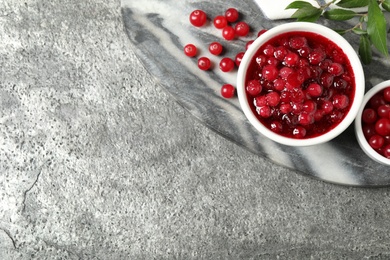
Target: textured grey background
{"type": "Point", "coordinates": [97, 161]}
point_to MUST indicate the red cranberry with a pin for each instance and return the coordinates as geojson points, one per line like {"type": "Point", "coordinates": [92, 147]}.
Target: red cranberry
{"type": "Point", "coordinates": [273, 61]}
{"type": "Point", "coordinates": [269, 50]}
{"type": "Point", "coordinates": [376, 141]}
{"type": "Point", "coordinates": [299, 132]}
{"type": "Point", "coordinates": [280, 52]}
{"type": "Point", "coordinates": [261, 32]}
{"type": "Point", "coordinates": [285, 108]}
{"type": "Point", "coordinates": [231, 15]}
{"type": "Point", "coordinates": [204, 63]}
{"type": "Point", "coordinates": [220, 22]}
{"type": "Point", "coordinates": [228, 33]}
{"type": "Point", "coordinates": [190, 50]}
{"type": "Point", "coordinates": [270, 72]}
{"type": "Point", "coordinates": [248, 44]}
{"type": "Point", "coordinates": [296, 108]}
{"type": "Point", "coordinates": [298, 42]}
{"type": "Point", "coordinates": [377, 100]}
{"type": "Point", "coordinates": [285, 71]}
{"type": "Point", "coordinates": [291, 59]}
{"type": "Point", "coordinates": [260, 101]}
{"type": "Point", "coordinates": [264, 111]}
{"type": "Point", "coordinates": [273, 99]}
{"type": "Point", "coordinates": [327, 106]}
{"type": "Point", "coordinates": [386, 151]}
{"type": "Point", "coordinates": [382, 126]}
{"type": "Point", "coordinates": [368, 130]}
{"type": "Point", "coordinates": [297, 96]}
{"type": "Point", "coordinates": [198, 18]}
{"type": "Point", "coordinates": [303, 63]}
{"type": "Point", "coordinates": [316, 56]}
{"type": "Point", "coordinates": [336, 69]}
{"type": "Point", "coordinates": [276, 126]}
{"type": "Point", "coordinates": [315, 72]}
{"type": "Point", "coordinates": [318, 115]}
{"type": "Point", "coordinates": [305, 118]}
{"type": "Point", "coordinates": [254, 88]}
{"type": "Point", "coordinates": [337, 56]}
{"type": "Point", "coordinates": [340, 83]}
{"type": "Point", "coordinates": [325, 64]}
{"type": "Point", "coordinates": [228, 91]}
{"type": "Point", "coordinates": [304, 52]}
{"type": "Point", "coordinates": [305, 72]}
{"type": "Point", "coordinates": [309, 106]}
{"type": "Point", "coordinates": [238, 58]}
{"type": "Point", "coordinates": [314, 90]}
{"type": "Point", "coordinates": [226, 64]}
{"type": "Point", "coordinates": [279, 84]}
{"type": "Point", "coordinates": [384, 110]}
{"type": "Point", "coordinates": [261, 60]}
{"type": "Point", "coordinates": [295, 79]}
{"type": "Point", "coordinates": [336, 116]}
{"type": "Point", "coordinates": [340, 101]}
{"type": "Point", "coordinates": [326, 79]}
{"type": "Point", "coordinates": [369, 116]}
{"type": "Point", "coordinates": [215, 48]}
{"type": "Point", "coordinates": [386, 94]}
{"type": "Point", "coordinates": [242, 29]}
{"type": "Point", "coordinates": [285, 96]}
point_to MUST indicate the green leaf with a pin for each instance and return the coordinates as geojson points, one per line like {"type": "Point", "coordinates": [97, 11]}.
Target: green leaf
{"type": "Point", "coordinates": [359, 31]}
{"type": "Point", "coordinates": [339, 14]}
{"type": "Point", "coordinates": [340, 31]}
{"type": "Point", "coordinates": [308, 13]}
{"type": "Point", "coordinates": [311, 18]}
{"type": "Point", "coordinates": [386, 5]}
{"type": "Point", "coordinates": [365, 51]}
{"type": "Point", "coordinates": [376, 27]}
{"type": "Point", "coordinates": [298, 5]}
{"type": "Point", "coordinates": [352, 3]}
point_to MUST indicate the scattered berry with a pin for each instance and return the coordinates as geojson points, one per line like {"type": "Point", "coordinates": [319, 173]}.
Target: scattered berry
{"type": "Point", "coordinates": [228, 91]}
{"type": "Point", "coordinates": [220, 22]}
{"type": "Point", "coordinates": [190, 50]}
{"type": "Point", "coordinates": [242, 29]}
{"type": "Point", "coordinates": [198, 18]}
{"type": "Point", "coordinates": [228, 33]}
{"type": "Point", "coordinates": [204, 63]}
{"type": "Point", "coordinates": [215, 48]}
{"type": "Point", "coordinates": [238, 58]}
{"type": "Point", "coordinates": [226, 64]}
{"type": "Point", "coordinates": [261, 32]}
{"type": "Point", "coordinates": [248, 44]}
{"type": "Point", "coordinates": [231, 15]}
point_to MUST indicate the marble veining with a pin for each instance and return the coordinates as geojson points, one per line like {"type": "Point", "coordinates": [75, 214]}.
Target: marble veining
{"type": "Point", "coordinates": [158, 31]}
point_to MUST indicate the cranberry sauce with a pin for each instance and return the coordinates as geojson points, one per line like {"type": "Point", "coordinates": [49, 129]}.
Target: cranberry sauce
{"type": "Point", "coordinates": [300, 84]}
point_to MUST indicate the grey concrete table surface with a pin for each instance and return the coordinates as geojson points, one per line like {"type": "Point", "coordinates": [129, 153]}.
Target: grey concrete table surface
{"type": "Point", "coordinates": [98, 162]}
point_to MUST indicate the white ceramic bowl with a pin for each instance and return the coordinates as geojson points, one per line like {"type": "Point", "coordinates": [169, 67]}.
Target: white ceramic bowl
{"type": "Point", "coordinates": [358, 125]}
{"type": "Point", "coordinates": [305, 27]}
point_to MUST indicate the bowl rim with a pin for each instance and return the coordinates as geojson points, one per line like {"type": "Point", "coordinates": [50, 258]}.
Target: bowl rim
{"type": "Point", "coordinates": [302, 27]}
{"type": "Point", "coordinates": [358, 124]}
